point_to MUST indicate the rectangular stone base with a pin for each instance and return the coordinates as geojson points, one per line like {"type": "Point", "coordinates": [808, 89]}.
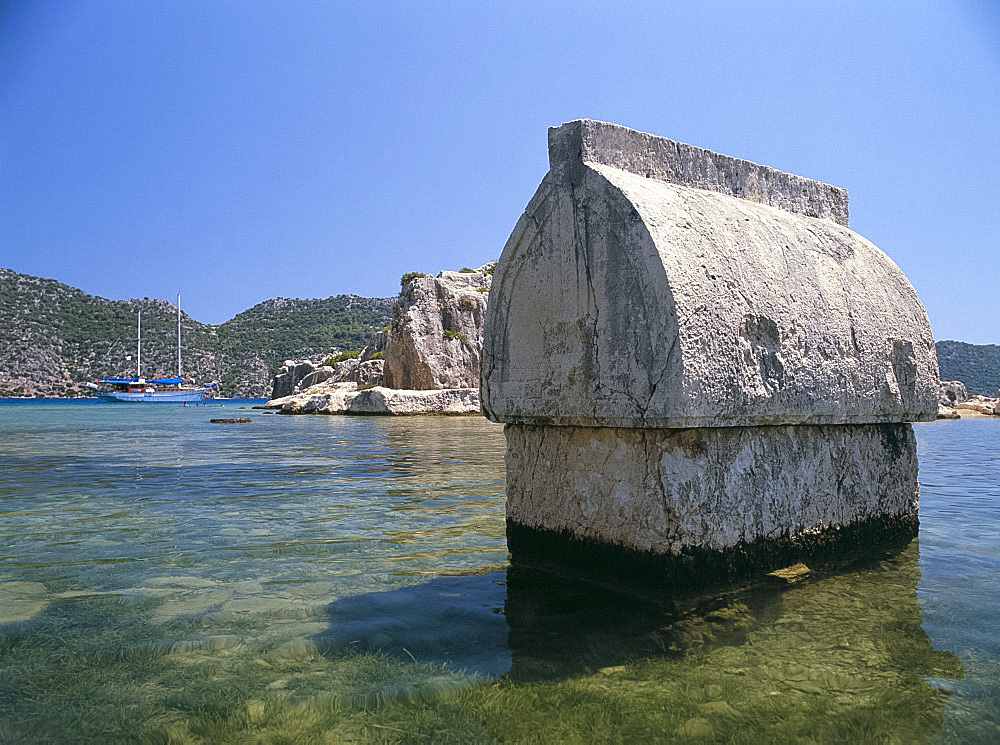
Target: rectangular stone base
{"type": "Point", "coordinates": [708, 503]}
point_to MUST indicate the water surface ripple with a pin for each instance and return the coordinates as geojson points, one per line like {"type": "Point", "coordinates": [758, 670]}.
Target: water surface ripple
{"type": "Point", "coordinates": [338, 579]}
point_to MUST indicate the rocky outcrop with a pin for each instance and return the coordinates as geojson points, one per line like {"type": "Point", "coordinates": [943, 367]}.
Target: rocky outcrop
{"type": "Point", "coordinates": [652, 287]}
{"type": "Point", "coordinates": [436, 336]}
{"type": "Point", "coordinates": [296, 376]}
{"type": "Point", "coordinates": [367, 373]}
{"type": "Point", "coordinates": [952, 392]}
{"type": "Point", "coordinates": [979, 405]}
{"type": "Point", "coordinates": [348, 398]}
{"type": "Point", "coordinates": [364, 372]}
{"type": "Point", "coordinates": [291, 374]}
{"type": "Point", "coordinates": [320, 375]}
{"type": "Point", "coordinates": [426, 362]}
{"type": "Point", "coordinates": [954, 402]}
{"type": "Point", "coordinates": [376, 345]}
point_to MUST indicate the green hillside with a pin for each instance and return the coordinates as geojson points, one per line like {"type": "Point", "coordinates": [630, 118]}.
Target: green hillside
{"type": "Point", "coordinates": [976, 365]}
{"type": "Point", "coordinates": [54, 337]}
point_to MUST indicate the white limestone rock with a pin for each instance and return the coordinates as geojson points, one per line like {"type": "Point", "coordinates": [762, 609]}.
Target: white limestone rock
{"type": "Point", "coordinates": [436, 335]}
{"type": "Point", "coordinates": [979, 405]}
{"type": "Point", "coordinates": [661, 491]}
{"type": "Point", "coordinates": [370, 372]}
{"type": "Point", "coordinates": [952, 392]}
{"type": "Point", "coordinates": [624, 298]}
{"type": "Point", "coordinates": [376, 345]}
{"type": "Point", "coordinates": [290, 375]}
{"type": "Point", "coordinates": [346, 398]}
{"type": "Point", "coordinates": [331, 393]}
{"type": "Point", "coordinates": [320, 375]}
{"type": "Point", "coordinates": [367, 372]}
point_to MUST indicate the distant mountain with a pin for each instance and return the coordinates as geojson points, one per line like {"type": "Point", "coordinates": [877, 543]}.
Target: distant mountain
{"type": "Point", "coordinates": [976, 365]}
{"type": "Point", "coordinates": [54, 337]}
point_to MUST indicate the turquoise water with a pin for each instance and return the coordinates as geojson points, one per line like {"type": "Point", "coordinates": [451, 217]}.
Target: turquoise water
{"type": "Point", "coordinates": [336, 579]}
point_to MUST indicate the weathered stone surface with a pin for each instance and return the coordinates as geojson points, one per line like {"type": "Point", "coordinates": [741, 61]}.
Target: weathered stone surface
{"type": "Point", "coordinates": [436, 335]}
{"type": "Point", "coordinates": [346, 398]}
{"type": "Point", "coordinates": [370, 372]}
{"type": "Point", "coordinates": [978, 404]}
{"type": "Point", "coordinates": [947, 412]}
{"type": "Point", "coordinates": [654, 157]}
{"type": "Point", "coordinates": [363, 372]}
{"type": "Point", "coordinates": [376, 345]}
{"type": "Point", "coordinates": [319, 375]}
{"type": "Point", "coordinates": [952, 392]}
{"type": "Point", "coordinates": [701, 368]}
{"type": "Point", "coordinates": [298, 376]}
{"type": "Point", "coordinates": [291, 373]}
{"type": "Point", "coordinates": [662, 491]}
{"type": "Point", "coordinates": [624, 298]}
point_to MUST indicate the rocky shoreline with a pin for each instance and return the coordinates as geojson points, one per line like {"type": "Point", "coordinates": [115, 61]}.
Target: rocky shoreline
{"type": "Point", "coordinates": [954, 402]}
{"type": "Point", "coordinates": [348, 398]}
{"type": "Point", "coordinates": [425, 362]}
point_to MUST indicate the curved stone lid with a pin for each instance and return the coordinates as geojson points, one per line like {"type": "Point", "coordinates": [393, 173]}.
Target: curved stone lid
{"type": "Point", "coordinates": [626, 300]}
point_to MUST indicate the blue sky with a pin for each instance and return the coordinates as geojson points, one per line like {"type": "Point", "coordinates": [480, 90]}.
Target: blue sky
{"type": "Point", "coordinates": [237, 151]}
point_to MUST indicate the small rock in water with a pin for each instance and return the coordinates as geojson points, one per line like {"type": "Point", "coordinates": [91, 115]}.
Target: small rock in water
{"type": "Point", "coordinates": [696, 727]}
{"type": "Point", "coordinates": [790, 575]}
{"type": "Point", "coordinates": [239, 420]}
{"type": "Point", "coordinates": [255, 711]}
{"type": "Point", "coordinates": [718, 708]}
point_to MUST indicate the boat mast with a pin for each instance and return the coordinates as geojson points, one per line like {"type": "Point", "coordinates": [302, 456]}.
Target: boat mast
{"type": "Point", "coordinates": [138, 344]}
{"type": "Point", "coordinates": [178, 335]}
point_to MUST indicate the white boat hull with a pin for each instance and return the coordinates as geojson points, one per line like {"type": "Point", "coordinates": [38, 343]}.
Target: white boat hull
{"type": "Point", "coordinates": [152, 397]}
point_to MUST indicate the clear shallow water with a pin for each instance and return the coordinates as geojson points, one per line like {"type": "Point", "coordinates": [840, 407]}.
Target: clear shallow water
{"type": "Point", "coordinates": [335, 579]}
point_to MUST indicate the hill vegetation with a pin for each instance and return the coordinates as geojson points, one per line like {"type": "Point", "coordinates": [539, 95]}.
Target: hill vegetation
{"type": "Point", "coordinates": [54, 337]}
{"type": "Point", "coordinates": [976, 365]}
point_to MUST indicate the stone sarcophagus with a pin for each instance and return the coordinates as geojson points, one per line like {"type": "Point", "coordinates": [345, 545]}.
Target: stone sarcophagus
{"type": "Point", "coordinates": [701, 368]}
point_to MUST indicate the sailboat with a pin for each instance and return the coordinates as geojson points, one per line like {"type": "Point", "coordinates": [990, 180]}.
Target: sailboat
{"type": "Point", "coordinates": [154, 390]}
